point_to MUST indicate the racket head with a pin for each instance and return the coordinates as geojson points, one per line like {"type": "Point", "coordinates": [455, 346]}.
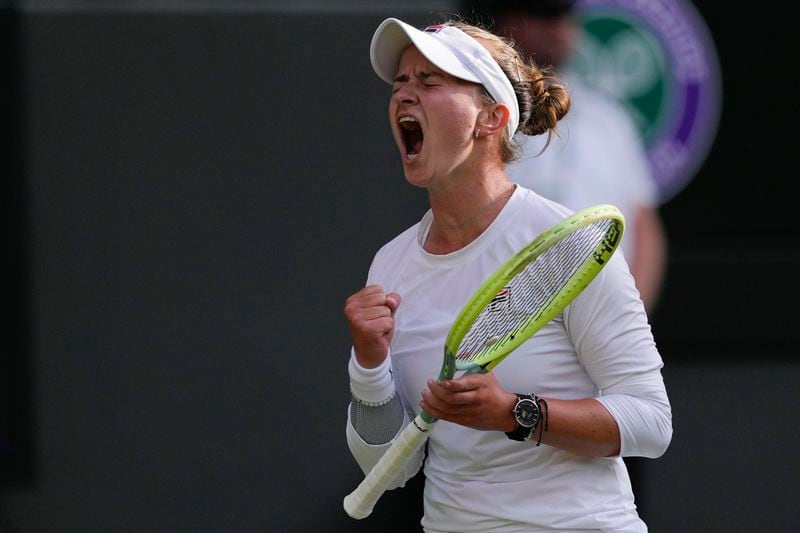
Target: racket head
{"type": "Point", "coordinates": [531, 288]}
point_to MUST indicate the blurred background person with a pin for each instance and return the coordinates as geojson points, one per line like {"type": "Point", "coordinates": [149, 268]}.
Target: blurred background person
{"type": "Point", "coordinates": [598, 155]}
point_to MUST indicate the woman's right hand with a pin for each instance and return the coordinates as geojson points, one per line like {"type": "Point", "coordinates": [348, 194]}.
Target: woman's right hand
{"type": "Point", "coordinates": [370, 317]}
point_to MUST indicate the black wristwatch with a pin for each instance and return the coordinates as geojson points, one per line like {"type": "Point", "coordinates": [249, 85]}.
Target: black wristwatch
{"type": "Point", "coordinates": [527, 414]}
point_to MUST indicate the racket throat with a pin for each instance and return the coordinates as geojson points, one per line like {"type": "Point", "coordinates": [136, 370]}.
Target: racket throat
{"type": "Point", "coordinates": [474, 368]}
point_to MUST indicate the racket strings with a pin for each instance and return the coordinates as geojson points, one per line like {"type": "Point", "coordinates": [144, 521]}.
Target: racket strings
{"type": "Point", "coordinates": [530, 293]}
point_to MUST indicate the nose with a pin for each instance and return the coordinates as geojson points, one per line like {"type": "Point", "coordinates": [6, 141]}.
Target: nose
{"type": "Point", "coordinates": [406, 93]}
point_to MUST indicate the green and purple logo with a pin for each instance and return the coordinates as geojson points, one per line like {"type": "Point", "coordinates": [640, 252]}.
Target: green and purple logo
{"type": "Point", "coordinates": [658, 59]}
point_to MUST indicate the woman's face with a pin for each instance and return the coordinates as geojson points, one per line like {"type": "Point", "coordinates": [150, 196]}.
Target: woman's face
{"type": "Point", "coordinates": [433, 117]}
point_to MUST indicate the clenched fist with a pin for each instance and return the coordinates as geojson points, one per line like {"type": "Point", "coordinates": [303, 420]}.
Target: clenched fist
{"type": "Point", "coordinates": [370, 317]}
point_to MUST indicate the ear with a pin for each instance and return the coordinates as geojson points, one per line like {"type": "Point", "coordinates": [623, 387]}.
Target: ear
{"type": "Point", "coordinates": [493, 119]}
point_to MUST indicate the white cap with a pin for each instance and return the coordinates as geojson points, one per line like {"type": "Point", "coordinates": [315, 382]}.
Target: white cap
{"type": "Point", "coordinates": [451, 50]}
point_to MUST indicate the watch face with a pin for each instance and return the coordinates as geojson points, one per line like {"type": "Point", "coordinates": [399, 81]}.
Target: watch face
{"type": "Point", "coordinates": [526, 413]}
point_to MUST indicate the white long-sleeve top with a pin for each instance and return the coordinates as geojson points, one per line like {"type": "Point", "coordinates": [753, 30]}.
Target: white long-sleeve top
{"type": "Point", "coordinates": [600, 347]}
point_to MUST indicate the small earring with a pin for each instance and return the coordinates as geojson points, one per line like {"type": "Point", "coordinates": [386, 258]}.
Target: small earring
{"type": "Point", "coordinates": [477, 132]}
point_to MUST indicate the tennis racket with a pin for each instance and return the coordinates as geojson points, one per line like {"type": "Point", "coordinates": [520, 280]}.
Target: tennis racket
{"type": "Point", "coordinates": [520, 297]}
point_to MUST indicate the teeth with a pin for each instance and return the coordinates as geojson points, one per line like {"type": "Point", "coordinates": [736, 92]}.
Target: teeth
{"type": "Point", "coordinates": [407, 119]}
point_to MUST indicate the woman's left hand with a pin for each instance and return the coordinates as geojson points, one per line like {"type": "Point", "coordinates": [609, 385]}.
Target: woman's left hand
{"type": "Point", "coordinates": [474, 400]}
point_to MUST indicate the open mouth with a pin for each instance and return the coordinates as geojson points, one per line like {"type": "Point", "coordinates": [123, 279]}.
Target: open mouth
{"type": "Point", "coordinates": [412, 136]}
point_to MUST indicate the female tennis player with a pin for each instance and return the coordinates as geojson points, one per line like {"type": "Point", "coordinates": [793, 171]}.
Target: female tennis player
{"type": "Point", "coordinates": [535, 445]}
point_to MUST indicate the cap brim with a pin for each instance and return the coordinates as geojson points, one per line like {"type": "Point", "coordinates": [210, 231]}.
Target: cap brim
{"type": "Point", "coordinates": [393, 36]}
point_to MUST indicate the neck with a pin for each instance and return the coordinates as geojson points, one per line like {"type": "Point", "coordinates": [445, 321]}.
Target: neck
{"type": "Point", "coordinates": [454, 228]}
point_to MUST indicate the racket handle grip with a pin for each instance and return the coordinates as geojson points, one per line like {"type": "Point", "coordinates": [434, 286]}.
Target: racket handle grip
{"type": "Point", "coordinates": [360, 502]}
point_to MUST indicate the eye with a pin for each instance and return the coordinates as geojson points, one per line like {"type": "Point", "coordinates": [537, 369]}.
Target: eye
{"type": "Point", "coordinates": [430, 79]}
{"type": "Point", "coordinates": [398, 82]}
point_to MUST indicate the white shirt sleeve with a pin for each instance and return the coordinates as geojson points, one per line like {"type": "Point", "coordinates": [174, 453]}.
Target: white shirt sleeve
{"type": "Point", "coordinates": [375, 386]}
{"type": "Point", "coordinates": [643, 414]}
{"type": "Point", "coordinates": [612, 337]}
